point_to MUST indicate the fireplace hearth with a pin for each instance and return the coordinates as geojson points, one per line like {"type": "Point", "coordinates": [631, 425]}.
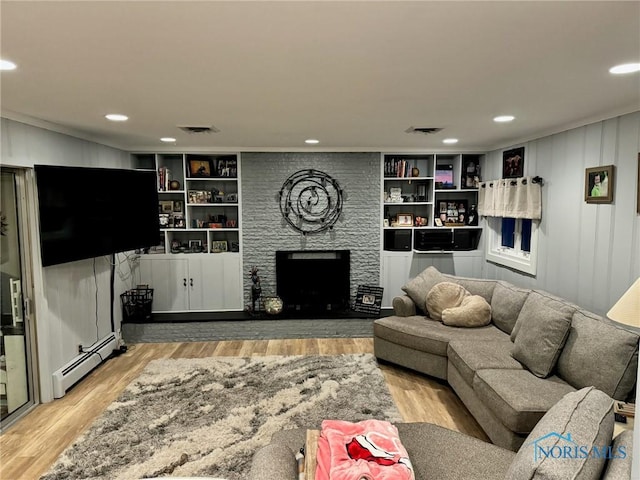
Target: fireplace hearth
{"type": "Point", "coordinates": [314, 282]}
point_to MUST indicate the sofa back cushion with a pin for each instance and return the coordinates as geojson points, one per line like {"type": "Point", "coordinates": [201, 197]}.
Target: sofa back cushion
{"type": "Point", "coordinates": [619, 466]}
{"type": "Point", "coordinates": [601, 354]}
{"type": "Point", "coordinates": [475, 286]}
{"type": "Point", "coordinates": [542, 334]}
{"type": "Point", "coordinates": [418, 287]}
{"type": "Point", "coordinates": [506, 302]}
{"type": "Point", "coordinates": [581, 421]}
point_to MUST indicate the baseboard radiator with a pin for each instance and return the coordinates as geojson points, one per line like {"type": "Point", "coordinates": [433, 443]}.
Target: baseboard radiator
{"type": "Point", "coordinates": [78, 367]}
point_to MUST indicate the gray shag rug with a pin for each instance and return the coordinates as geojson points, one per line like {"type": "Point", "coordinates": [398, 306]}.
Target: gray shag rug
{"type": "Point", "coordinates": [208, 416]}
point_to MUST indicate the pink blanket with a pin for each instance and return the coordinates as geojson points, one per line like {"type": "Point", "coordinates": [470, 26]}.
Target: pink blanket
{"type": "Point", "coordinates": [367, 450]}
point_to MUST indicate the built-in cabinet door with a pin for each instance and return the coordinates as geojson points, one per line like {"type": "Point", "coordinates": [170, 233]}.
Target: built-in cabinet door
{"type": "Point", "coordinates": [396, 267]}
{"type": "Point", "coordinates": [215, 283]}
{"type": "Point", "coordinates": [169, 278]}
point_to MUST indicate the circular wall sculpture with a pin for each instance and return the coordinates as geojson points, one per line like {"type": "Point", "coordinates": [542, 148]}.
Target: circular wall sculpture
{"type": "Point", "coordinates": [311, 201]}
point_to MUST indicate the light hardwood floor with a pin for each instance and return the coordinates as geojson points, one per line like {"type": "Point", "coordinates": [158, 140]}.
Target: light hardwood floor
{"type": "Point", "coordinates": [30, 447]}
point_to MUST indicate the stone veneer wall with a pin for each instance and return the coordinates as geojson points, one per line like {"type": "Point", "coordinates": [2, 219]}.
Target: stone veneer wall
{"type": "Point", "coordinates": [265, 231]}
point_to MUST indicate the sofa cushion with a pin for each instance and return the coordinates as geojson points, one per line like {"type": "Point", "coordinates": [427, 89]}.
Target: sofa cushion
{"type": "Point", "coordinates": [506, 303]}
{"type": "Point", "coordinates": [468, 356]}
{"type": "Point", "coordinates": [517, 397]}
{"type": "Point", "coordinates": [475, 286]}
{"type": "Point", "coordinates": [542, 335]}
{"type": "Point", "coordinates": [474, 311]}
{"type": "Point", "coordinates": [442, 296]}
{"type": "Point", "coordinates": [418, 287]}
{"type": "Point", "coordinates": [601, 354]}
{"type": "Point", "coordinates": [581, 419]}
{"type": "Point", "coordinates": [435, 453]}
{"type": "Point", "coordinates": [619, 466]}
{"type": "Point", "coordinates": [426, 335]}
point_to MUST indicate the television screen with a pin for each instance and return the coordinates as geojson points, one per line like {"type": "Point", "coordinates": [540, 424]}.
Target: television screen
{"type": "Point", "coordinates": [88, 212]}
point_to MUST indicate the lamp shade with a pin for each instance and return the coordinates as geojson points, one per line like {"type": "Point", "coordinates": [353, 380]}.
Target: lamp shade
{"type": "Point", "coordinates": [627, 309]}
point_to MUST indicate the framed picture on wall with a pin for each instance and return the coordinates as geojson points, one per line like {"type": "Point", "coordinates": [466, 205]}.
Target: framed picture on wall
{"type": "Point", "coordinates": [598, 184]}
{"type": "Point", "coordinates": [513, 163]}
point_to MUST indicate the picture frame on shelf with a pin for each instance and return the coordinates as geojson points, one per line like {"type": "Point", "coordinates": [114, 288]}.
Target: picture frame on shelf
{"type": "Point", "coordinates": [219, 246]}
{"type": "Point", "coordinates": [513, 163]}
{"type": "Point", "coordinates": [231, 198]}
{"type": "Point", "coordinates": [195, 246]}
{"type": "Point", "coordinates": [437, 222]}
{"type": "Point", "coordinates": [166, 206]}
{"type": "Point", "coordinates": [405, 220]}
{"type": "Point", "coordinates": [470, 174]}
{"type": "Point", "coordinates": [178, 221]}
{"type": "Point", "coordinates": [199, 168]}
{"type": "Point", "coordinates": [178, 206]}
{"type": "Point", "coordinates": [164, 220]}
{"type": "Point", "coordinates": [599, 184]}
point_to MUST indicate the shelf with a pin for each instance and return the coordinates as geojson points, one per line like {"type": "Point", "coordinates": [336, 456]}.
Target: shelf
{"type": "Point", "coordinates": [389, 204]}
{"type": "Point", "coordinates": [210, 179]}
{"type": "Point", "coordinates": [165, 192]}
{"type": "Point", "coordinates": [387, 179]}
{"type": "Point", "coordinates": [212, 204]}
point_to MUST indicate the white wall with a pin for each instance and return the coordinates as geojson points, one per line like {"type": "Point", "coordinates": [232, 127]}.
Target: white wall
{"type": "Point", "coordinates": [72, 304]}
{"type": "Point", "coordinates": [588, 253]}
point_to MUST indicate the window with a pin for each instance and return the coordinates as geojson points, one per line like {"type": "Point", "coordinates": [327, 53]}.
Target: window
{"type": "Point", "coordinates": [513, 243]}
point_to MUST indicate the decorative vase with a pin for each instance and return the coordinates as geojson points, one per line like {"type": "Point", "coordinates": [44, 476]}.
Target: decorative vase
{"type": "Point", "coordinates": [174, 185]}
{"type": "Point", "coordinates": [272, 305]}
{"type": "Point", "coordinates": [415, 172]}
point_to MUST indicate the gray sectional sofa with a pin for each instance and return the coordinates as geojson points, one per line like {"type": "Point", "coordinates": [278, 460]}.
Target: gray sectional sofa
{"type": "Point", "coordinates": [536, 349]}
{"type": "Point", "coordinates": [572, 440]}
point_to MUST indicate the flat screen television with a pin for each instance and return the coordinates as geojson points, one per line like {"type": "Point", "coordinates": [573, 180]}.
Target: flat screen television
{"type": "Point", "coordinates": [88, 212]}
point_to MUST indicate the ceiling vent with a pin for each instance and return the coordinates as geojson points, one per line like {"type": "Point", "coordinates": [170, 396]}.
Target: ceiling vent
{"type": "Point", "coordinates": [423, 130]}
{"type": "Point", "coordinates": [198, 128]}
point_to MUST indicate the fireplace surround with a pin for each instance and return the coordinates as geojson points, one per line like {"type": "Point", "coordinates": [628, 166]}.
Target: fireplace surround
{"type": "Point", "coordinates": [313, 281]}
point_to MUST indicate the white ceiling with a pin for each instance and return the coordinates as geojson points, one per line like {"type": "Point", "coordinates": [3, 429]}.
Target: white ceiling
{"type": "Point", "coordinates": [354, 75]}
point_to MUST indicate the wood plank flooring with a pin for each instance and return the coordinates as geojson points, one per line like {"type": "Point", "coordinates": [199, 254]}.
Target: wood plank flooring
{"type": "Point", "coordinates": [30, 447]}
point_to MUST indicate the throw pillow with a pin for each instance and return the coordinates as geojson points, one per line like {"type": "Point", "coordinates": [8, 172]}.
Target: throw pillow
{"type": "Point", "coordinates": [474, 311]}
{"type": "Point", "coordinates": [580, 420]}
{"type": "Point", "coordinates": [417, 288]}
{"type": "Point", "coordinates": [536, 300]}
{"type": "Point", "coordinates": [442, 296]}
{"type": "Point", "coordinates": [540, 339]}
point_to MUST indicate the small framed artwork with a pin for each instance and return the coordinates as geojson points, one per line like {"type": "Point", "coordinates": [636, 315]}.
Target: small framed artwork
{"type": "Point", "coordinates": [231, 198]}
{"type": "Point", "coordinates": [178, 206]}
{"type": "Point", "coordinates": [438, 222]}
{"type": "Point", "coordinates": [598, 184]}
{"type": "Point", "coordinates": [166, 206]}
{"type": "Point", "coordinates": [199, 168]}
{"type": "Point", "coordinates": [513, 163]}
{"type": "Point", "coordinates": [405, 220]}
{"type": "Point", "coordinates": [195, 246]}
{"type": "Point", "coordinates": [219, 246]}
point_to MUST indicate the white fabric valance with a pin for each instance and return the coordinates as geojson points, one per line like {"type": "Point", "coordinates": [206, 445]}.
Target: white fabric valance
{"type": "Point", "coordinates": [511, 197]}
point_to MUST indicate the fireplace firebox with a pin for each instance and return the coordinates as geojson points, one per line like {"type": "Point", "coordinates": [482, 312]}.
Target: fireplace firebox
{"type": "Point", "coordinates": [313, 280]}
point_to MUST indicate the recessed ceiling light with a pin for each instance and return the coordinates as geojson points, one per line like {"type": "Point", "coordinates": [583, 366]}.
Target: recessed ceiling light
{"type": "Point", "coordinates": [625, 68]}
{"type": "Point", "coordinates": [116, 117]}
{"type": "Point", "coordinates": [450, 140]}
{"type": "Point", "coordinates": [311, 141]}
{"type": "Point", "coordinates": [167, 139]}
{"type": "Point", "coordinates": [7, 65]}
{"type": "Point", "coordinates": [504, 118]}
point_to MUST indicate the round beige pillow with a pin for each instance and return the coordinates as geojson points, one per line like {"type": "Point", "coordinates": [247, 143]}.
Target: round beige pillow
{"type": "Point", "coordinates": [442, 296]}
{"type": "Point", "coordinates": [474, 311]}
